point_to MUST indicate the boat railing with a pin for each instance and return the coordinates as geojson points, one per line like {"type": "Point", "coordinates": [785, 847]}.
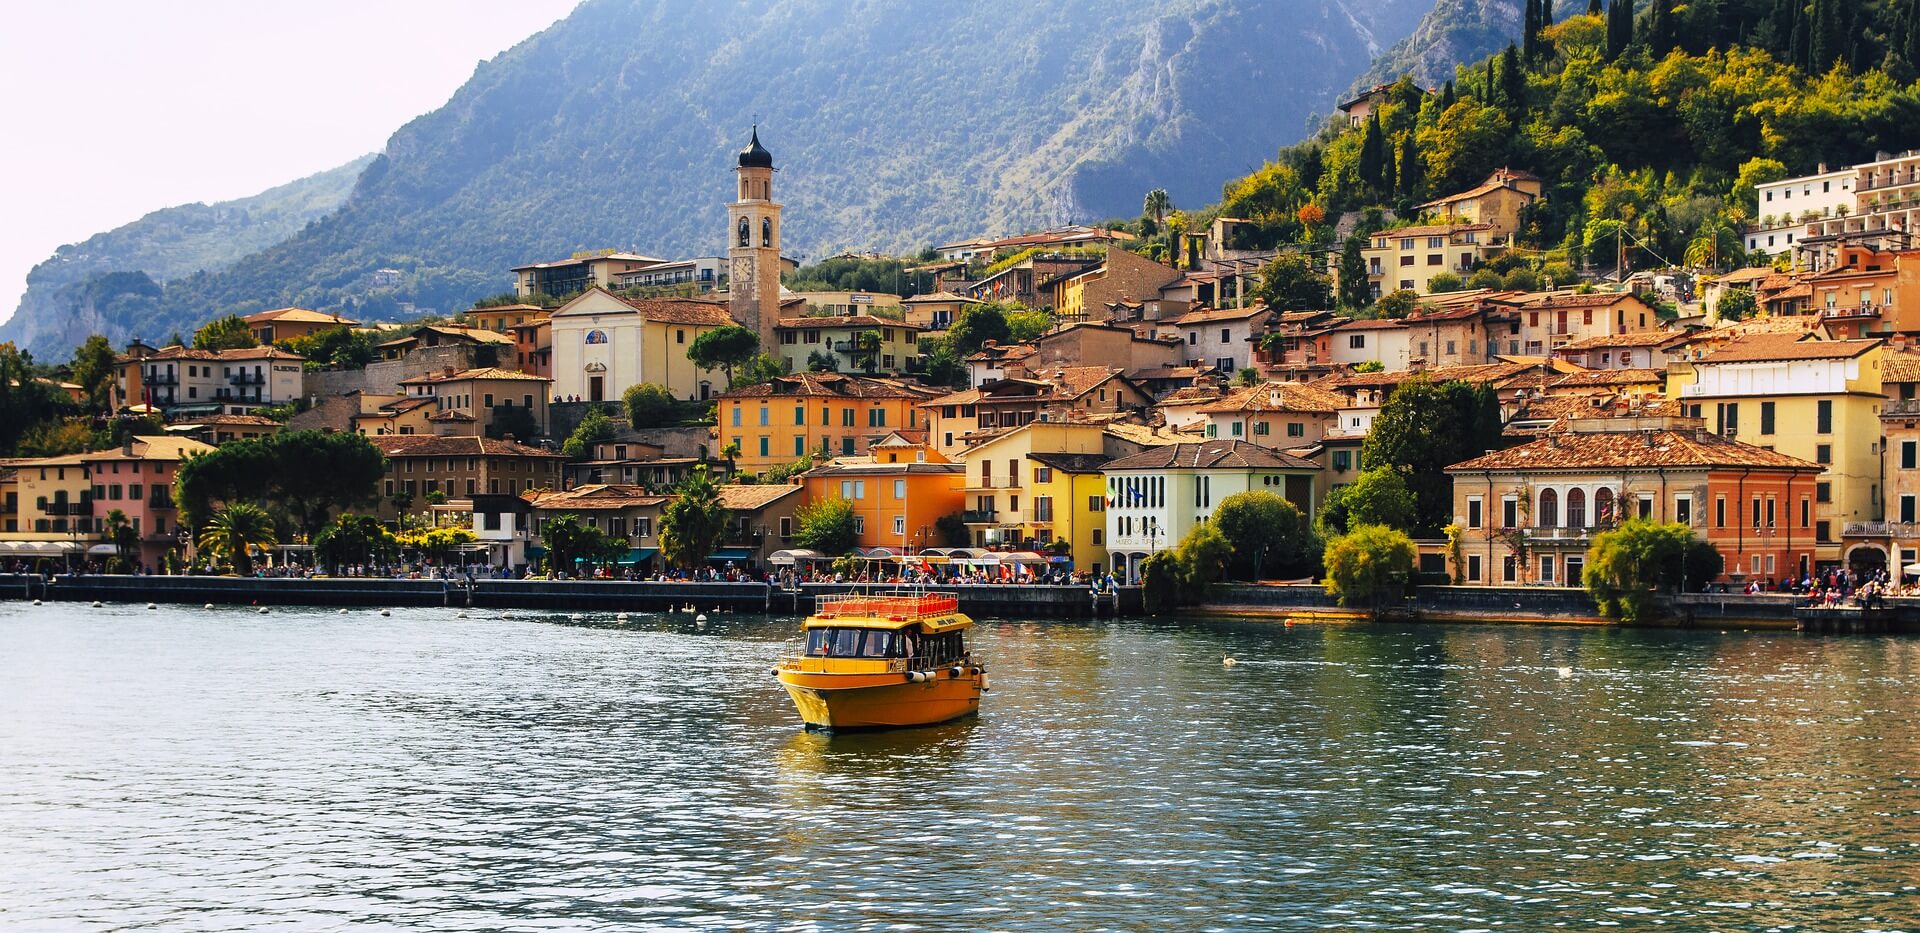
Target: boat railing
{"type": "Point", "coordinates": [896, 608]}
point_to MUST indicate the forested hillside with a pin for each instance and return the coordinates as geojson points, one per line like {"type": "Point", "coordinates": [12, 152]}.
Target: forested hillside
{"type": "Point", "coordinates": [1652, 123]}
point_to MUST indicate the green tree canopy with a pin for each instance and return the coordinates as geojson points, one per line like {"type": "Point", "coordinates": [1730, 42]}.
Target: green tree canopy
{"type": "Point", "coordinates": [1426, 427]}
{"type": "Point", "coordinates": [1736, 304]}
{"type": "Point", "coordinates": [648, 406]}
{"type": "Point", "coordinates": [1364, 563]}
{"type": "Point", "coordinates": [594, 427]}
{"type": "Point", "coordinates": [353, 539]}
{"type": "Point", "coordinates": [1625, 566]}
{"type": "Point", "coordinates": [976, 325]}
{"type": "Point", "coordinates": [309, 474]}
{"type": "Point", "coordinates": [725, 348]}
{"type": "Point", "coordinates": [1269, 535]}
{"type": "Point", "coordinates": [92, 369]}
{"type": "Point", "coordinates": [826, 525]}
{"type": "Point", "coordinates": [339, 347]}
{"type": "Point", "coordinates": [26, 403]}
{"type": "Point", "coordinates": [1026, 326]}
{"type": "Point", "coordinates": [693, 523]}
{"type": "Point", "coordinates": [1294, 282]}
{"type": "Point", "coordinates": [1377, 497]}
{"type": "Point", "coordinates": [224, 333]}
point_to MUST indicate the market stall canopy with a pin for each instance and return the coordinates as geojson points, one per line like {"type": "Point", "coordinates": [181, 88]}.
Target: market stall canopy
{"type": "Point", "coordinates": [786, 558]}
{"type": "Point", "coordinates": [38, 548]}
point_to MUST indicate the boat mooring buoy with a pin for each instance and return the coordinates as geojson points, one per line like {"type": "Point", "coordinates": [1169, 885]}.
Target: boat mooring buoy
{"type": "Point", "coordinates": [343, 612]}
{"type": "Point", "coordinates": [622, 617]}
{"type": "Point", "coordinates": [36, 602]}
{"type": "Point", "coordinates": [263, 610]}
{"type": "Point", "coordinates": [153, 606]}
{"type": "Point", "coordinates": [576, 617]}
{"type": "Point", "coordinates": [96, 604]}
{"type": "Point", "coordinates": [207, 606]}
{"type": "Point", "coordinates": [386, 612]}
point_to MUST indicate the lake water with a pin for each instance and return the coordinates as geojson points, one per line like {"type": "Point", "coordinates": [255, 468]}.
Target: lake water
{"type": "Point", "coordinates": [223, 770]}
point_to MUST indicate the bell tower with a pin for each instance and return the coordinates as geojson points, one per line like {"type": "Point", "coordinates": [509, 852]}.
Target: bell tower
{"type": "Point", "coordinates": [753, 245]}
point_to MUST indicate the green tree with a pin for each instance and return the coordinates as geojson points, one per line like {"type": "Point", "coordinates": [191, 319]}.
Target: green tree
{"type": "Point", "coordinates": [725, 348]}
{"type": "Point", "coordinates": [1356, 291]}
{"type": "Point", "coordinates": [1628, 564]}
{"type": "Point", "coordinates": [648, 406]}
{"type": "Point", "coordinates": [945, 367]}
{"type": "Point", "coordinates": [825, 525]}
{"type": "Point", "coordinates": [309, 474]}
{"type": "Point", "coordinates": [1422, 429]}
{"type": "Point", "coordinates": [334, 347]}
{"type": "Point", "coordinates": [126, 542]}
{"type": "Point", "coordinates": [512, 421]}
{"type": "Point", "coordinates": [1293, 282]}
{"type": "Point", "coordinates": [594, 428]}
{"type": "Point", "coordinates": [1396, 305]}
{"type": "Point", "coordinates": [235, 532]}
{"type": "Point", "coordinates": [1157, 205]}
{"type": "Point", "coordinates": [1443, 282]}
{"type": "Point", "coordinates": [1269, 536]}
{"type": "Point", "coordinates": [353, 539]}
{"type": "Point", "coordinates": [1380, 497]}
{"type": "Point", "coordinates": [694, 522]}
{"type": "Point", "coordinates": [1735, 304]}
{"type": "Point", "coordinates": [224, 333]}
{"type": "Point", "coordinates": [92, 370]}
{"type": "Point", "coordinates": [1026, 326]}
{"type": "Point", "coordinates": [26, 403]}
{"type": "Point", "coordinates": [1366, 563]}
{"type": "Point", "coordinates": [762, 368]}
{"type": "Point", "coordinates": [976, 325]}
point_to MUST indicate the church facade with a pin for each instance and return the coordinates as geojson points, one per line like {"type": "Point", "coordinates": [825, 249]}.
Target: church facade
{"type": "Point", "coordinates": [604, 344]}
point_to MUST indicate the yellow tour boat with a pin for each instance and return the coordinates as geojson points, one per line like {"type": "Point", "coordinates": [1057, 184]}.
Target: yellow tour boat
{"type": "Point", "coordinates": [880, 662]}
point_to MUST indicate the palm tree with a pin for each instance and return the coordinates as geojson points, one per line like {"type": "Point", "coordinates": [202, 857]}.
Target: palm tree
{"type": "Point", "coordinates": [693, 523]}
{"type": "Point", "coordinates": [730, 453]}
{"type": "Point", "coordinates": [126, 542]}
{"type": "Point", "coordinates": [234, 532]}
{"type": "Point", "coordinates": [1157, 205]}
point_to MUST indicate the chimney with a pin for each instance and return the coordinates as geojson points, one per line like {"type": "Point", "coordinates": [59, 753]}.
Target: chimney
{"type": "Point", "coordinates": [1822, 170]}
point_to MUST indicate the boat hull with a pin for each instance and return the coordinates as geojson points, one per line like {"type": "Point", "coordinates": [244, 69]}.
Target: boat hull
{"type": "Point", "coordinates": [839, 702]}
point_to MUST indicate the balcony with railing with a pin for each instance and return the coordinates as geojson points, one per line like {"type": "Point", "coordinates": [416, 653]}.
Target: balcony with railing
{"type": "Point", "coordinates": [1880, 529]}
{"type": "Point", "coordinates": [163, 379]}
{"type": "Point", "coordinates": [1901, 408]}
{"type": "Point", "coordinates": [981, 516]}
{"type": "Point", "coordinates": [247, 379]}
{"type": "Point", "coordinates": [1865, 312]}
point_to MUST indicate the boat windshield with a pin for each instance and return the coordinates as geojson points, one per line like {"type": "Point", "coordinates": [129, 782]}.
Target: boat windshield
{"type": "Point", "coordinates": [835, 642]}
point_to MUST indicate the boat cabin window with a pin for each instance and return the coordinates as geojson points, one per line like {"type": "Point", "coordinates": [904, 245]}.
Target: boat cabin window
{"type": "Point", "coordinates": [852, 643]}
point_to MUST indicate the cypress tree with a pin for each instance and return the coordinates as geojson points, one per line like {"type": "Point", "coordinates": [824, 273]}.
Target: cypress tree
{"type": "Point", "coordinates": [1447, 96]}
{"type": "Point", "coordinates": [1513, 80]}
{"type": "Point", "coordinates": [1388, 182]}
{"type": "Point", "coordinates": [1820, 37]}
{"type": "Point", "coordinates": [1370, 152]}
{"type": "Point", "coordinates": [1619, 27]}
{"type": "Point", "coordinates": [1593, 8]}
{"type": "Point", "coordinates": [1660, 36]}
{"type": "Point", "coordinates": [1411, 173]}
{"type": "Point", "coordinates": [1530, 26]}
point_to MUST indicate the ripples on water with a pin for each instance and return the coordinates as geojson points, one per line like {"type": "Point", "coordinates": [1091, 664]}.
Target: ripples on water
{"type": "Point", "coordinates": [229, 771]}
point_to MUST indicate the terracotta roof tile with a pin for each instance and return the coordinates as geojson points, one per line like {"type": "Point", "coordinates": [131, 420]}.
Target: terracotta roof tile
{"type": "Point", "coordinates": [1628, 449]}
{"type": "Point", "coordinates": [1761, 348]}
{"type": "Point", "coordinates": [429, 445]}
{"type": "Point", "coordinates": [1210, 455]}
{"type": "Point", "coordinates": [1279, 396]}
{"type": "Point", "coordinates": [831, 385]}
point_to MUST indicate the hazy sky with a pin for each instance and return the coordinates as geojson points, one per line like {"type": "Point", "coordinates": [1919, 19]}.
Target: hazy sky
{"type": "Point", "coordinates": [114, 109]}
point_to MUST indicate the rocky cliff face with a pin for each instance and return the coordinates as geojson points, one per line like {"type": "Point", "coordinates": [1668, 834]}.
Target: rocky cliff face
{"type": "Point", "coordinates": [895, 125]}
{"type": "Point", "coordinates": [1453, 32]}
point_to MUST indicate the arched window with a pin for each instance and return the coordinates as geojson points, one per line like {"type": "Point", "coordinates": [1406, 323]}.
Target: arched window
{"type": "Point", "coordinates": [1576, 508]}
{"type": "Point", "coordinates": [1603, 508]}
{"type": "Point", "coordinates": [1548, 515]}
{"type": "Point", "coordinates": [746, 233]}
{"type": "Point", "coordinates": [766, 231]}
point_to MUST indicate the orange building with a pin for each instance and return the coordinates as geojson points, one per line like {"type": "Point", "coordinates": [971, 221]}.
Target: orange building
{"type": "Point", "coordinates": [1868, 293]}
{"type": "Point", "coordinates": [788, 417]}
{"type": "Point", "coordinates": [895, 505]}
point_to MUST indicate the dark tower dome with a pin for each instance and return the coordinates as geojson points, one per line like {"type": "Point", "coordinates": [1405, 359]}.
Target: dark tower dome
{"type": "Point", "coordinates": [756, 155]}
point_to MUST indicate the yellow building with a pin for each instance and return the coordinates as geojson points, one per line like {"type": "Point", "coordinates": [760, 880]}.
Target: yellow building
{"type": "Point", "coordinates": [1041, 483]}
{"type": "Point", "coordinates": [502, 319]}
{"type": "Point", "coordinates": [1407, 259]}
{"type": "Point", "coordinates": [1497, 202]}
{"type": "Point", "coordinates": [855, 343]}
{"type": "Point", "coordinates": [1817, 400]}
{"type": "Point", "coordinates": [788, 417]}
{"type": "Point", "coordinates": [604, 344]}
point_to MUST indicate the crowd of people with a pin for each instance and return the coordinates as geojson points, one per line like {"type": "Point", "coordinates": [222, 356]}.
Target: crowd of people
{"type": "Point", "coordinates": [1833, 588]}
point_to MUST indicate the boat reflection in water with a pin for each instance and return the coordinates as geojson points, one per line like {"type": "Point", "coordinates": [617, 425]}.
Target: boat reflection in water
{"type": "Point", "coordinates": [884, 662]}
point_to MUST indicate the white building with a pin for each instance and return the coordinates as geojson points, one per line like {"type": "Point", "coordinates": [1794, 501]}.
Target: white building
{"type": "Point", "coordinates": [1222, 338]}
{"type": "Point", "coordinates": [1386, 341]}
{"type": "Point", "coordinates": [233, 382]}
{"type": "Point", "coordinates": [1784, 208]}
{"type": "Point", "coordinates": [1158, 495]}
{"type": "Point", "coordinates": [603, 344]}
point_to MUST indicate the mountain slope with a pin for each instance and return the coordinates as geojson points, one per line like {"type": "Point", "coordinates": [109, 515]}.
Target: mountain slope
{"type": "Point", "coordinates": [894, 124]}
{"type": "Point", "coordinates": [95, 286]}
{"type": "Point", "coordinates": [1452, 33]}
